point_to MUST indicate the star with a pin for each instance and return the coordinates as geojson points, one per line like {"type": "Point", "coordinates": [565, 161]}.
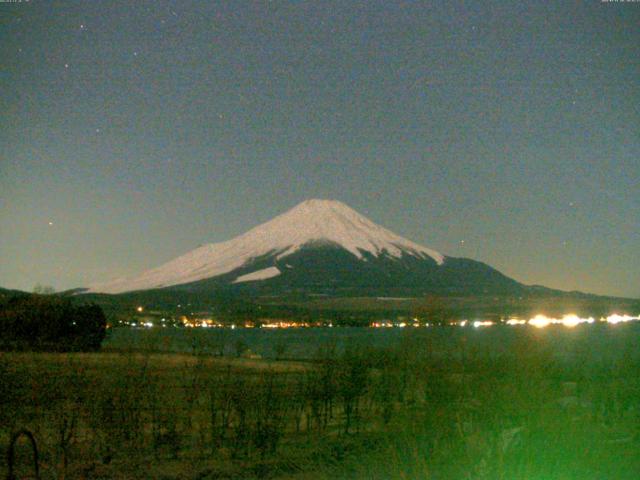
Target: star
{"type": "Point", "coordinates": [82, 27]}
{"type": "Point", "coordinates": [135, 54]}
{"type": "Point", "coordinates": [66, 65]}
{"type": "Point", "coordinates": [50, 224]}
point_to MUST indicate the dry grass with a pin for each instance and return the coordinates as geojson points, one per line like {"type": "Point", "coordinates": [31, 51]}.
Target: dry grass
{"type": "Point", "coordinates": [523, 414]}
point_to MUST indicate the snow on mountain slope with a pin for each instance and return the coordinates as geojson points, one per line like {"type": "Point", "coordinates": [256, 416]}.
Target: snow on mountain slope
{"type": "Point", "coordinates": [310, 221]}
{"type": "Point", "coordinates": [258, 275]}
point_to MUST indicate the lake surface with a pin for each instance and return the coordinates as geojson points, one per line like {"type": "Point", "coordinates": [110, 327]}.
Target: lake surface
{"type": "Point", "coordinates": [598, 342]}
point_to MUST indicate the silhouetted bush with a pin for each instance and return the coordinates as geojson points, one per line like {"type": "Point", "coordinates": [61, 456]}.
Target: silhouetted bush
{"type": "Point", "coordinates": [50, 323]}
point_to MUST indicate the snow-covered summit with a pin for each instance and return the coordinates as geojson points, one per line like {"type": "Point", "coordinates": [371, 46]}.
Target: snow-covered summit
{"type": "Point", "coordinates": [312, 221]}
{"type": "Point", "coordinates": [333, 221]}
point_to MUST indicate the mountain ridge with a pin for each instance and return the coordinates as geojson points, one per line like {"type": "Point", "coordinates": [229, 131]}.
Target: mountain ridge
{"type": "Point", "coordinates": [313, 221]}
{"type": "Point", "coordinates": [320, 247]}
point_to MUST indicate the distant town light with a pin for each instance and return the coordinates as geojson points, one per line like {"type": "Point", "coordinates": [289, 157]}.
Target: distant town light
{"type": "Point", "coordinates": [539, 321]}
{"type": "Point", "coordinates": [570, 320]}
{"type": "Point", "coordinates": [479, 323]}
{"type": "Point", "coordinates": [515, 321]}
{"type": "Point", "coordinates": [615, 318]}
{"type": "Point", "coordinates": [139, 309]}
{"type": "Point", "coordinates": [573, 320]}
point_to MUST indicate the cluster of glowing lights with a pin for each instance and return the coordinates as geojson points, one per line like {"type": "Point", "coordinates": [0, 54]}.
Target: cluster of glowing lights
{"type": "Point", "coordinates": [480, 323]}
{"type": "Point", "coordinates": [382, 325]}
{"type": "Point", "coordinates": [615, 318]}
{"type": "Point", "coordinates": [200, 323]}
{"type": "Point", "coordinates": [541, 321]}
{"type": "Point", "coordinates": [286, 324]}
{"type": "Point", "coordinates": [388, 324]}
{"type": "Point", "coordinates": [293, 324]}
{"type": "Point", "coordinates": [571, 320]}
{"type": "Point", "coordinates": [516, 321]}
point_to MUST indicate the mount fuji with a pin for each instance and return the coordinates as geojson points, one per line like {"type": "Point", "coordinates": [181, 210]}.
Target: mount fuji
{"type": "Point", "coordinates": [319, 246]}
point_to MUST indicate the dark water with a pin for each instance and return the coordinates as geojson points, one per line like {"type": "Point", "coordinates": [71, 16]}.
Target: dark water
{"type": "Point", "coordinates": [598, 342]}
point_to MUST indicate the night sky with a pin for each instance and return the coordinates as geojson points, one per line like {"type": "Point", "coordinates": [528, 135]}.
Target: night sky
{"type": "Point", "coordinates": [507, 132]}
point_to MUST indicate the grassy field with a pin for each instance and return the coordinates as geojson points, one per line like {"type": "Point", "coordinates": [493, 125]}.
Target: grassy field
{"type": "Point", "coordinates": [465, 409]}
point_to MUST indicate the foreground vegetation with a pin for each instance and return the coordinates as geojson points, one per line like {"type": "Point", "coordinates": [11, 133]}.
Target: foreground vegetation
{"type": "Point", "coordinates": [418, 409]}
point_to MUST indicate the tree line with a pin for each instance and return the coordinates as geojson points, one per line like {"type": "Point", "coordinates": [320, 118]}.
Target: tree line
{"type": "Point", "coordinates": [46, 322]}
